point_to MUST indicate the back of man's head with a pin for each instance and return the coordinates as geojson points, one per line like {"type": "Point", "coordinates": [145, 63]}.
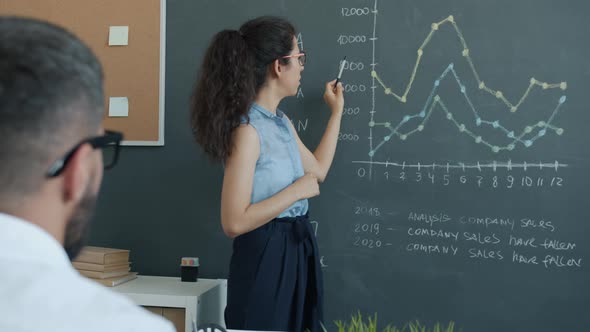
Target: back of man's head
{"type": "Point", "coordinates": [51, 96]}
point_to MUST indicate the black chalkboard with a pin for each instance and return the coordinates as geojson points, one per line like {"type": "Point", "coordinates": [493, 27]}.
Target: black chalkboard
{"type": "Point", "coordinates": [459, 188]}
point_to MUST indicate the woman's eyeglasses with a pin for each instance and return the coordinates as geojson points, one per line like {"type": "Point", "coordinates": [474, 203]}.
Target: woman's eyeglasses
{"type": "Point", "coordinates": [301, 57]}
{"type": "Point", "coordinates": [108, 143]}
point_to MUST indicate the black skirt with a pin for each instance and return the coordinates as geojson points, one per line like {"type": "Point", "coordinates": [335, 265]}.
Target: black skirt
{"type": "Point", "coordinates": [275, 280]}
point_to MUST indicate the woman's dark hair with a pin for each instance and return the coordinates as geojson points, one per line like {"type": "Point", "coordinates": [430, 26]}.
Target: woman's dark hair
{"type": "Point", "coordinates": [233, 71]}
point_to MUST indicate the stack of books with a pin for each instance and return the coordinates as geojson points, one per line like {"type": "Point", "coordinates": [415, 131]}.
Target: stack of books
{"type": "Point", "coordinates": [108, 266]}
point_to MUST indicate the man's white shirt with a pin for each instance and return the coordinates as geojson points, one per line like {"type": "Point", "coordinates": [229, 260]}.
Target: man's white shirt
{"type": "Point", "coordinates": [41, 291]}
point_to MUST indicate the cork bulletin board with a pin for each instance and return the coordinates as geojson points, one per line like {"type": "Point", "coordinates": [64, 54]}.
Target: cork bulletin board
{"type": "Point", "coordinates": [135, 71]}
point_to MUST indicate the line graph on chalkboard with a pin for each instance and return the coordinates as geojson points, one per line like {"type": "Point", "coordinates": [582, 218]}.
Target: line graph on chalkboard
{"type": "Point", "coordinates": [490, 132]}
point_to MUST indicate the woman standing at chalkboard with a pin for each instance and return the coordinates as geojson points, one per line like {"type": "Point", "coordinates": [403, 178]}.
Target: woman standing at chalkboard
{"type": "Point", "coordinates": [275, 281]}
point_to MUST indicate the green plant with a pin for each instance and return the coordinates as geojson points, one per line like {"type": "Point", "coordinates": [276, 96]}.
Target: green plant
{"type": "Point", "coordinates": [358, 324]}
{"type": "Point", "coordinates": [417, 327]}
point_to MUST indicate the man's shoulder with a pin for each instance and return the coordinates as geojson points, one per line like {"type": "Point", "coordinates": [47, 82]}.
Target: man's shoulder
{"type": "Point", "coordinates": [115, 312]}
{"type": "Point", "coordinates": [67, 301]}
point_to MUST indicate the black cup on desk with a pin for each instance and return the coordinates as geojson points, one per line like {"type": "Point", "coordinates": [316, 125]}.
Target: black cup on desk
{"type": "Point", "coordinates": [189, 269]}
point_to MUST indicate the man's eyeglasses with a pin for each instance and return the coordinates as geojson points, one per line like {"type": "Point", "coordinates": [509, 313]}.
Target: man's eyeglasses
{"type": "Point", "coordinates": [108, 143]}
{"type": "Point", "coordinates": [301, 57]}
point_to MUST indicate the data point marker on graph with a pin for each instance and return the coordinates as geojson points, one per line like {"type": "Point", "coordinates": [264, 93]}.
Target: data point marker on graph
{"type": "Point", "coordinates": [510, 147]}
{"type": "Point", "coordinates": [559, 131]}
{"type": "Point", "coordinates": [496, 149]}
{"type": "Point", "coordinates": [462, 128]}
{"type": "Point", "coordinates": [386, 138]}
{"type": "Point", "coordinates": [513, 109]}
{"type": "Point", "coordinates": [482, 85]}
{"type": "Point", "coordinates": [403, 137]}
{"type": "Point", "coordinates": [528, 129]}
{"type": "Point", "coordinates": [434, 26]}
{"type": "Point", "coordinates": [420, 127]}
{"type": "Point", "coordinates": [478, 139]}
{"type": "Point", "coordinates": [466, 52]}
{"type": "Point", "coordinates": [563, 85]}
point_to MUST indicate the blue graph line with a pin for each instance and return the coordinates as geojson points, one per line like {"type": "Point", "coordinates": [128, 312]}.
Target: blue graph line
{"type": "Point", "coordinates": [478, 119]}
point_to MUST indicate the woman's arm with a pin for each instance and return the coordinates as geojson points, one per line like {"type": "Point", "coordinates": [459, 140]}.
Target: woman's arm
{"type": "Point", "coordinates": [319, 162]}
{"type": "Point", "coordinates": [238, 216]}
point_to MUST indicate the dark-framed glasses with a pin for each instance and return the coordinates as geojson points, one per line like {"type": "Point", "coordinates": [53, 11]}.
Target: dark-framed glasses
{"type": "Point", "coordinates": [301, 57]}
{"type": "Point", "coordinates": [108, 143]}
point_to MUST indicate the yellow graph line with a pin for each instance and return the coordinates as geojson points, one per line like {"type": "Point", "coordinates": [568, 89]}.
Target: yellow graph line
{"type": "Point", "coordinates": [482, 86]}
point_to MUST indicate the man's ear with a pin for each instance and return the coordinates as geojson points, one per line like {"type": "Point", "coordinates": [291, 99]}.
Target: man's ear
{"type": "Point", "coordinates": [77, 174]}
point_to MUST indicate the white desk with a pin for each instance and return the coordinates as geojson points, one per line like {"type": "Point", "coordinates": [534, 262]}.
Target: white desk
{"type": "Point", "coordinates": [204, 301]}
